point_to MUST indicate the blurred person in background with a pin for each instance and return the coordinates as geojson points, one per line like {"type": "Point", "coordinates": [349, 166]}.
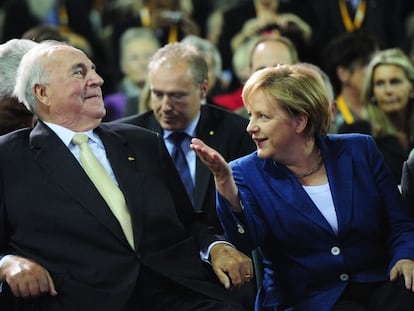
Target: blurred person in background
{"type": "Point", "coordinates": [345, 60]}
{"type": "Point", "coordinates": [242, 70]}
{"type": "Point", "coordinates": [270, 51]}
{"type": "Point", "coordinates": [171, 20]}
{"type": "Point", "coordinates": [388, 100]}
{"type": "Point", "coordinates": [13, 114]}
{"type": "Point", "coordinates": [137, 45]}
{"type": "Point", "coordinates": [257, 17]}
{"type": "Point", "coordinates": [213, 58]}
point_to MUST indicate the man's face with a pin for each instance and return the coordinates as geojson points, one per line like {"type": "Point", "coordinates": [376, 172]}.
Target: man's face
{"type": "Point", "coordinates": [269, 54]}
{"type": "Point", "coordinates": [73, 96]}
{"type": "Point", "coordinates": [175, 98]}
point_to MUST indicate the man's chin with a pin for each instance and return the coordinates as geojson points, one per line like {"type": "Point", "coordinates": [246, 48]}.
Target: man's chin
{"type": "Point", "coordinates": [169, 126]}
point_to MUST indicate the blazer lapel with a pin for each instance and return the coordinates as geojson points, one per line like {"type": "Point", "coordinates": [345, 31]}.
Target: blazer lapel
{"type": "Point", "coordinates": [204, 131]}
{"type": "Point", "coordinates": [64, 170]}
{"type": "Point", "coordinates": [123, 161]}
{"type": "Point", "coordinates": [339, 169]}
{"type": "Point", "coordinates": [288, 188]}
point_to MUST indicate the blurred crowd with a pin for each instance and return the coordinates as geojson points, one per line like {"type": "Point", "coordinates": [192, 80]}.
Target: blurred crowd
{"type": "Point", "coordinates": [340, 37]}
{"type": "Point", "coordinates": [180, 68]}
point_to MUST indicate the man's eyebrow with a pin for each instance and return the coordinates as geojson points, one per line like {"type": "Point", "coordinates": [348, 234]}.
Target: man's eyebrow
{"type": "Point", "coordinates": [78, 65]}
{"type": "Point", "coordinates": [83, 65]}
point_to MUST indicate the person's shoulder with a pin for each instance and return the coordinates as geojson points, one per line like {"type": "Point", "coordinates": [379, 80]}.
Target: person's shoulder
{"type": "Point", "coordinates": [247, 160]}
{"type": "Point", "coordinates": [19, 137]}
{"type": "Point", "coordinates": [410, 162]}
{"type": "Point", "coordinates": [217, 112]}
{"type": "Point", "coordinates": [350, 138]}
{"type": "Point", "coordinates": [353, 143]}
{"type": "Point", "coordinates": [137, 119]}
{"type": "Point", "coordinates": [125, 128]}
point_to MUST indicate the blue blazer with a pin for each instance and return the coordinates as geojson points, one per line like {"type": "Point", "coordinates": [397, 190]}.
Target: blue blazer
{"type": "Point", "coordinates": [308, 265]}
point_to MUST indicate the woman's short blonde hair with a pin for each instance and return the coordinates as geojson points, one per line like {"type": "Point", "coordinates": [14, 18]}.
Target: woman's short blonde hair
{"type": "Point", "coordinates": [298, 89]}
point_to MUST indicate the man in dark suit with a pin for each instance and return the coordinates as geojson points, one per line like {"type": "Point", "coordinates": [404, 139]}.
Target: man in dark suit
{"type": "Point", "coordinates": [61, 247]}
{"type": "Point", "coordinates": [178, 78]}
{"type": "Point", "coordinates": [178, 83]}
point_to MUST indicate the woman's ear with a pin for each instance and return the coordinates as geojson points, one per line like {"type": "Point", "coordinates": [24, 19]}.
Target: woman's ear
{"type": "Point", "coordinates": [300, 122]}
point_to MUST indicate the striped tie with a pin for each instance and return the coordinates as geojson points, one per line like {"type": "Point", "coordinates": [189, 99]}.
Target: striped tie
{"type": "Point", "coordinates": [181, 164]}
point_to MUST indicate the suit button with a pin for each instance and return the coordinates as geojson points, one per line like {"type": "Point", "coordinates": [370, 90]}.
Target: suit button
{"type": "Point", "coordinates": [344, 277]}
{"type": "Point", "coordinates": [240, 229]}
{"type": "Point", "coordinates": [335, 251]}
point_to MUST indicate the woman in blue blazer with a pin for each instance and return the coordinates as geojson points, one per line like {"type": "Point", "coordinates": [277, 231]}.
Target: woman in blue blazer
{"type": "Point", "coordinates": [323, 209]}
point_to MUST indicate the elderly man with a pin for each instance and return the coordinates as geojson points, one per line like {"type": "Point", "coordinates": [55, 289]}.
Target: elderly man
{"type": "Point", "coordinates": [93, 216]}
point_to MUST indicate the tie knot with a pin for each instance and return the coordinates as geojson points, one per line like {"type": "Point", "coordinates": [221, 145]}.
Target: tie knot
{"type": "Point", "coordinates": [79, 139]}
{"type": "Point", "coordinates": [178, 137]}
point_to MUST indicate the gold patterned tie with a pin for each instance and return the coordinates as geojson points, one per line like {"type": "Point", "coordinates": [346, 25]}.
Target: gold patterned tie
{"type": "Point", "coordinates": [105, 185]}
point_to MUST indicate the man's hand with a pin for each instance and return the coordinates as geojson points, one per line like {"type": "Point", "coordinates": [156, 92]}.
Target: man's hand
{"type": "Point", "coordinates": [26, 278]}
{"type": "Point", "coordinates": [404, 267]}
{"type": "Point", "coordinates": [232, 267]}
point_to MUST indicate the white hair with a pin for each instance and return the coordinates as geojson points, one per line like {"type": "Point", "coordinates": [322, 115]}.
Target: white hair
{"type": "Point", "coordinates": [11, 53]}
{"type": "Point", "coordinates": [31, 71]}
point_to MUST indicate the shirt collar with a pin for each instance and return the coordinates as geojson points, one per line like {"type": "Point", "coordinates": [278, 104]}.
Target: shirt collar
{"type": "Point", "coordinates": [66, 134]}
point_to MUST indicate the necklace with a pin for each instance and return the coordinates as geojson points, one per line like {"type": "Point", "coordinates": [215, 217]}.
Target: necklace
{"type": "Point", "coordinates": [312, 170]}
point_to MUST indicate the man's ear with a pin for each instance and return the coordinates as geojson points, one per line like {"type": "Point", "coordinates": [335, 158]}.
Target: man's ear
{"type": "Point", "coordinates": [40, 92]}
{"type": "Point", "coordinates": [204, 88]}
{"type": "Point", "coordinates": [343, 74]}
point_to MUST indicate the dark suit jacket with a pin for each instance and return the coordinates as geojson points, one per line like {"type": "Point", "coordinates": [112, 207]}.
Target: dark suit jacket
{"type": "Point", "coordinates": [223, 130]}
{"type": "Point", "coordinates": [51, 213]}
{"type": "Point", "coordinates": [407, 184]}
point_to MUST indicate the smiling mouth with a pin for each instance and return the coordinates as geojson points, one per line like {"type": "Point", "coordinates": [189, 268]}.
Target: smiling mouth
{"type": "Point", "coordinates": [259, 141]}
{"type": "Point", "coordinates": [92, 96]}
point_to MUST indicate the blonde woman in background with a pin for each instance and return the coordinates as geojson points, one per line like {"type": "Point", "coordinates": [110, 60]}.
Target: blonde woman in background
{"type": "Point", "coordinates": [388, 98]}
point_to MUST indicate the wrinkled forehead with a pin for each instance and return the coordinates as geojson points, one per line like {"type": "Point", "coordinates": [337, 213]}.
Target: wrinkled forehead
{"type": "Point", "coordinates": [62, 55]}
{"type": "Point", "coordinates": [64, 51]}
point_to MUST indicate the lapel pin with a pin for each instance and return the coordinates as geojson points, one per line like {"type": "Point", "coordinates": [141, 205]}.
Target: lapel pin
{"type": "Point", "coordinates": [131, 159]}
{"type": "Point", "coordinates": [211, 133]}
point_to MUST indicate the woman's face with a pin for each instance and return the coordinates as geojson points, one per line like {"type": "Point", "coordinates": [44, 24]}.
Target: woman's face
{"type": "Point", "coordinates": [391, 88]}
{"type": "Point", "coordinates": [264, 5]}
{"type": "Point", "coordinates": [271, 128]}
{"type": "Point", "coordinates": [137, 54]}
